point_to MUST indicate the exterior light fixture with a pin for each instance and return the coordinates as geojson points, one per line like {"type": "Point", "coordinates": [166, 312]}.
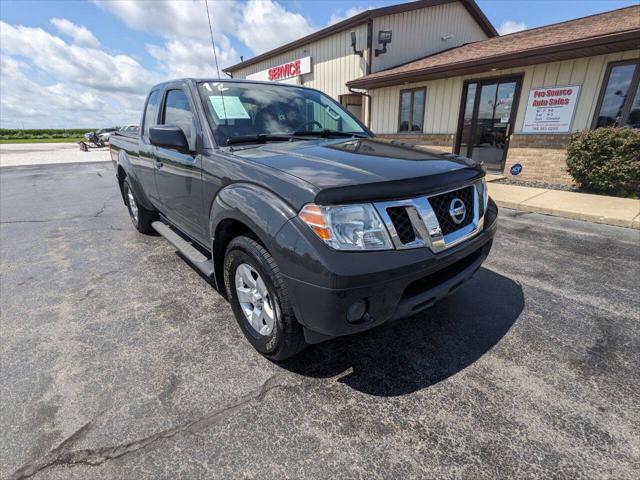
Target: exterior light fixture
{"type": "Point", "coordinates": [384, 37]}
{"type": "Point", "coordinates": [354, 42]}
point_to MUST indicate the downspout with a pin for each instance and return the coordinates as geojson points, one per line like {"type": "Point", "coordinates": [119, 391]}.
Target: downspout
{"type": "Point", "coordinates": [368, 68]}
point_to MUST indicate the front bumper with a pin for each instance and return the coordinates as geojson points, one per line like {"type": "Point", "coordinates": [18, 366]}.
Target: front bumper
{"type": "Point", "coordinates": [393, 284]}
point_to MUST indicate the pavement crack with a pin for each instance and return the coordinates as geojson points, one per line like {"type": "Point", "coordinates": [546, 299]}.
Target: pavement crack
{"type": "Point", "coordinates": [99, 212]}
{"type": "Point", "coordinates": [26, 221]}
{"type": "Point", "coordinates": [64, 455]}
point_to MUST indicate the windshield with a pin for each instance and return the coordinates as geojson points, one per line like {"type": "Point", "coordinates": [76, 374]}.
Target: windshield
{"type": "Point", "coordinates": [237, 110]}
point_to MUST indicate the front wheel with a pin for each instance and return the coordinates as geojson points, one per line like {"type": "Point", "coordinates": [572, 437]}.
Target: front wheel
{"type": "Point", "coordinates": [260, 301]}
{"type": "Point", "coordinates": [140, 216]}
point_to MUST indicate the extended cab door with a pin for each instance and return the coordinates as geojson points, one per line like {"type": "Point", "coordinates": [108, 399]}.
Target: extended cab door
{"type": "Point", "coordinates": [144, 162]}
{"type": "Point", "coordinates": [179, 174]}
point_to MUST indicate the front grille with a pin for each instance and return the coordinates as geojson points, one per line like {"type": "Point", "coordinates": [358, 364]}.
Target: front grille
{"type": "Point", "coordinates": [442, 203]}
{"type": "Point", "coordinates": [402, 224]}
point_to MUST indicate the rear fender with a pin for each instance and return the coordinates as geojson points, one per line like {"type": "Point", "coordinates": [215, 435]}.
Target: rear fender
{"type": "Point", "coordinates": [124, 163]}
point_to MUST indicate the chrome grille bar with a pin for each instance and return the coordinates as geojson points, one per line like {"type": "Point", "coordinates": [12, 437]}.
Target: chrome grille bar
{"type": "Point", "coordinates": [425, 222]}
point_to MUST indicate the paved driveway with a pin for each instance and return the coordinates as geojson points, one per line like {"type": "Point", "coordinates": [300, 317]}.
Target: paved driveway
{"type": "Point", "coordinates": [119, 361]}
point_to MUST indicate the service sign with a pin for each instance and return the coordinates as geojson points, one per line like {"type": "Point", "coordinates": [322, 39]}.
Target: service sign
{"type": "Point", "coordinates": [550, 109]}
{"type": "Point", "coordinates": [284, 71]}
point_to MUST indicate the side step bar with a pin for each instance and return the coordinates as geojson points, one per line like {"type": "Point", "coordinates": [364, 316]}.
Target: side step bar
{"type": "Point", "coordinates": [201, 262]}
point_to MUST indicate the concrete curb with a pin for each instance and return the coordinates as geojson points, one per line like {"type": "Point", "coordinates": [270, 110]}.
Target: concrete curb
{"type": "Point", "coordinates": [621, 212]}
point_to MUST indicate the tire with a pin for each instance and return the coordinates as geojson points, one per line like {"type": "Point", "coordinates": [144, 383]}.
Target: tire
{"type": "Point", "coordinates": [285, 338]}
{"type": "Point", "coordinates": [140, 216]}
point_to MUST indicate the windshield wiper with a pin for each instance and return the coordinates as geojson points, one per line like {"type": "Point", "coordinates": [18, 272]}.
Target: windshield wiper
{"type": "Point", "coordinates": [259, 138]}
{"type": "Point", "coordinates": [327, 132]}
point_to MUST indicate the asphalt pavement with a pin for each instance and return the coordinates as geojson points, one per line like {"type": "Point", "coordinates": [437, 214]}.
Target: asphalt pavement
{"type": "Point", "coordinates": [119, 361]}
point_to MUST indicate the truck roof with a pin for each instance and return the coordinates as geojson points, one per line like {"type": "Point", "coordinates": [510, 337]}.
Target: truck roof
{"type": "Point", "coordinates": [225, 80]}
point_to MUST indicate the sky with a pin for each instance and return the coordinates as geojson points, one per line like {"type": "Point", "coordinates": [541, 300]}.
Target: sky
{"type": "Point", "coordinates": [66, 64]}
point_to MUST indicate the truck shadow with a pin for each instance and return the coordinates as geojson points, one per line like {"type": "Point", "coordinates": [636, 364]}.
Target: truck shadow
{"type": "Point", "coordinates": [411, 354]}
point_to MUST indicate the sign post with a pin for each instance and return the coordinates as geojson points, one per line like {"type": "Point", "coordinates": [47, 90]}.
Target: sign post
{"type": "Point", "coordinates": [550, 109]}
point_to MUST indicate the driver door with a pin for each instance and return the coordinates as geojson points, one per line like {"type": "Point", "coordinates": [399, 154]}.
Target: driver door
{"type": "Point", "coordinates": [179, 174]}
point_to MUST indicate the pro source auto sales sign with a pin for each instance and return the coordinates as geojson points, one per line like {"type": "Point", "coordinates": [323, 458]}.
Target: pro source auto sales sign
{"type": "Point", "coordinates": [550, 109]}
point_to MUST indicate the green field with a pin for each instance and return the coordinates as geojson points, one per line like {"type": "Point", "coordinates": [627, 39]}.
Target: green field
{"type": "Point", "coordinates": [48, 135]}
{"type": "Point", "coordinates": [42, 140]}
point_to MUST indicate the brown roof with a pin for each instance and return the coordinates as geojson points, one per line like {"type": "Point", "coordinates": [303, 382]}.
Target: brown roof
{"type": "Point", "coordinates": [363, 17]}
{"type": "Point", "coordinates": [602, 33]}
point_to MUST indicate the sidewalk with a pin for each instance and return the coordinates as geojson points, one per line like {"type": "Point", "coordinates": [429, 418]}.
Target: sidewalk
{"type": "Point", "coordinates": [20, 154]}
{"type": "Point", "coordinates": [622, 212]}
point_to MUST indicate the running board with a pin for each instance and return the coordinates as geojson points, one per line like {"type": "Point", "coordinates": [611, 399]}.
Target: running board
{"type": "Point", "coordinates": [198, 260]}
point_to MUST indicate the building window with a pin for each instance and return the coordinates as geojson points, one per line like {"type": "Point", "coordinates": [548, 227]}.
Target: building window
{"type": "Point", "coordinates": [411, 115]}
{"type": "Point", "coordinates": [619, 103]}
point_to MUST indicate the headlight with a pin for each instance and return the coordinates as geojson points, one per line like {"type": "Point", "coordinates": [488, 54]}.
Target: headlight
{"type": "Point", "coordinates": [347, 227]}
{"type": "Point", "coordinates": [483, 195]}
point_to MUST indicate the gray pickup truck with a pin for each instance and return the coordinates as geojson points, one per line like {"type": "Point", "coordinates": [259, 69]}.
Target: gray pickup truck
{"type": "Point", "coordinates": [309, 225]}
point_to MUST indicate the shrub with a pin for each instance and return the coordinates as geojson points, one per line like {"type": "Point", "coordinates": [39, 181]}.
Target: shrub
{"type": "Point", "coordinates": [606, 160]}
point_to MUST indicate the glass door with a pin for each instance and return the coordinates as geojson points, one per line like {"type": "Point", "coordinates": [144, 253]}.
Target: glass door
{"type": "Point", "coordinates": [487, 116]}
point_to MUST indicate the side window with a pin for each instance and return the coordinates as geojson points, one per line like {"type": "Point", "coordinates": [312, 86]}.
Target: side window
{"type": "Point", "coordinates": [411, 114]}
{"type": "Point", "coordinates": [151, 112]}
{"type": "Point", "coordinates": [620, 97]}
{"type": "Point", "coordinates": [177, 111]}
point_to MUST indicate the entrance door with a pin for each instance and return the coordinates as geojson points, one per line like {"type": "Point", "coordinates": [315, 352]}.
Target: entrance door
{"type": "Point", "coordinates": [487, 116]}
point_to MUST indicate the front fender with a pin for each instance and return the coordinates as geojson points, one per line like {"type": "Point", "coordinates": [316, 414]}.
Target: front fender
{"type": "Point", "coordinates": [256, 207]}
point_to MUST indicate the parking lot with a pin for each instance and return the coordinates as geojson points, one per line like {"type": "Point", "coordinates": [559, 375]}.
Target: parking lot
{"type": "Point", "coordinates": [120, 361]}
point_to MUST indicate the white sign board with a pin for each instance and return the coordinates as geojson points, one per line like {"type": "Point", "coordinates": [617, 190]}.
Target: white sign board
{"type": "Point", "coordinates": [283, 72]}
{"type": "Point", "coordinates": [550, 109]}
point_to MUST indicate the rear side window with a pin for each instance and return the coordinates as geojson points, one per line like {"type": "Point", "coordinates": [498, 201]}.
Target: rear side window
{"type": "Point", "coordinates": [177, 111]}
{"type": "Point", "coordinates": [151, 112]}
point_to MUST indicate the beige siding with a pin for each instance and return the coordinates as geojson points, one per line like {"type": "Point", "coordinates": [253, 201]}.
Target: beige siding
{"type": "Point", "coordinates": [332, 62]}
{"type": "Point", "coordinates": [416, 34]}
{"type": "Point", "coordinates": [419, 33]}
{"type": "Point", "coordinates": [444, 95]}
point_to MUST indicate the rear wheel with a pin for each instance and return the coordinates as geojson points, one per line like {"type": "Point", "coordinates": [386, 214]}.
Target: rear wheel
{"type": "Point", "coordinates": [140, 216]}
{"type": "Point", "coordinates": [260, 301]}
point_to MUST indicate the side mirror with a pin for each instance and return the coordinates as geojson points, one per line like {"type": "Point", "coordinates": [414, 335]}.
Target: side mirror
{"type": "Point", "coordinates": [168, 136]}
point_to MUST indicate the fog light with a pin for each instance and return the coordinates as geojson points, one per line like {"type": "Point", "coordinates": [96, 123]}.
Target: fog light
{"type": "Point", "coordinates": [356, 311]}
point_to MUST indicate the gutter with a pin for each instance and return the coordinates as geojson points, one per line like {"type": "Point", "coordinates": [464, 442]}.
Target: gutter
{"type": "Point", "coordinates": [592, 46]}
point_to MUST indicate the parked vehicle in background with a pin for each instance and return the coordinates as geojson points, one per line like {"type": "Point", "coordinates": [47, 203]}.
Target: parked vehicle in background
{"type": "Point", "coordinates": [129, 130]}
{"type": "Point", "coordinates": [309, 225]}
{"type": "Point", "coordinates": [102, 134]}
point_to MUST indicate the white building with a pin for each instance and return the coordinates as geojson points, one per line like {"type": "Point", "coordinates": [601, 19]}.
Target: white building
{"type": "Point", "coordinates": [436, 73]}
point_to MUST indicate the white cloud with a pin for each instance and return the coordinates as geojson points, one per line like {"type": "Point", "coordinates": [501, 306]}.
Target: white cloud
{"type": "Point", "coordinates": [175, 18]}
{"type": "Point", "coordinates": [78, 33]}
{"type": "Point", "coordinates": [74, 64]}
{"type": "Point", "coordinates": [339, 15]}
{"type": "Point", "coordinates": [89, 86]}
{"type": "Point", "coordinates": [189, 58]}
{"type": "Point", "coordinates": [265, 24]}
{"type": "Point", "coordinates": [70, 80]}
{"type": "Point", "coordinates": [184, 26]}
{"type": "Point", "coordinates": [511, 26]}
{"type": "Point", "coordinates": [26, 103]}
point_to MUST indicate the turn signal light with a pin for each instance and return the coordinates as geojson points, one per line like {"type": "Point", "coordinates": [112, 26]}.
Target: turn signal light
{"type": "Point", "coordinates": [312, 215]}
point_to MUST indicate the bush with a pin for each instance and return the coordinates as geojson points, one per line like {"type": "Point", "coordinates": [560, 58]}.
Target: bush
{"type": "Point", "coordinates": [606, 160]}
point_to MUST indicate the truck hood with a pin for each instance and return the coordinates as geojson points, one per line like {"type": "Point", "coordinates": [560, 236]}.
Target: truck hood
{"type": "Point", "coordinates": [364, 168]}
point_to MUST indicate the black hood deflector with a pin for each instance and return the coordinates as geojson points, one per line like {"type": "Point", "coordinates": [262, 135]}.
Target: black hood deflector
{"type": "Point", "coordinates": [397, 189]}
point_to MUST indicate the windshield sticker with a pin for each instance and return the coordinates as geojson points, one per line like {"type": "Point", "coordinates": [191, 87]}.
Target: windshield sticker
{"type": "Point", "coordinates": [228, 107]}
{"type": "Point", "coordinates": [220, 86]}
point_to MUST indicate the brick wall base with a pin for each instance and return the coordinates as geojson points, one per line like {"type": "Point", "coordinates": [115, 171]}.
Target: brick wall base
{"type": "Point", "coordinates": [543, 157]}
